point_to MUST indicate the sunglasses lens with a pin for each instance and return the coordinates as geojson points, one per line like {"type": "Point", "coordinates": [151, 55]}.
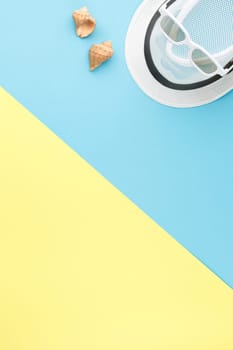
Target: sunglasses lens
{"type": "Point", "coordinates": [173, 31]}
{"type": "Point", "coordinates": [203, 62]}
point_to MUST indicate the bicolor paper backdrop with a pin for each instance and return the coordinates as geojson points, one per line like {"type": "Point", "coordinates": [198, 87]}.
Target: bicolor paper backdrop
{"type": "Point", "coordinates": [82, 267]}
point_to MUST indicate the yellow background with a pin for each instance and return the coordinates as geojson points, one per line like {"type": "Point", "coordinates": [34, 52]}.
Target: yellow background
{"type": "Point", "coordinates": [81, 267]}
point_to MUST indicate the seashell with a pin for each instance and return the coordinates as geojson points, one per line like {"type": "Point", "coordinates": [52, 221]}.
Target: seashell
{"type": "Point", "coordinates": [85, 23]}
{"type": "Point", "coordinates": [100, 53]}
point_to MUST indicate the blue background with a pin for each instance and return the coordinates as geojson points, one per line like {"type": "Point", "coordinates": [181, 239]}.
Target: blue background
{"type": "Point", "coordinates": [177, 165]}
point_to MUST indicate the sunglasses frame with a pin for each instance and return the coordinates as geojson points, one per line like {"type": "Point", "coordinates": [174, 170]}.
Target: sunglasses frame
{"type": "Point", "coordinates": [191, 44]}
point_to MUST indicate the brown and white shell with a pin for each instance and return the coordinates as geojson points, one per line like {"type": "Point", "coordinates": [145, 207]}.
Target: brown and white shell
{"type": "Point", "coordinates": [100, 53]}
{"type": "Point", "coordinates": [85, 23]}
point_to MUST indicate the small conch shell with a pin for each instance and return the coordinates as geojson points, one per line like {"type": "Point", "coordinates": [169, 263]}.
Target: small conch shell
{"type": "Point", "coordinates": [100, 53]}
{"type": "Point", "coordinates": [85, 23]}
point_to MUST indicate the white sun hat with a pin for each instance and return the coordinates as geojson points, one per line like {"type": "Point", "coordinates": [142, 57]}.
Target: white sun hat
{"type": "Point", "coordinates": [180, 52]}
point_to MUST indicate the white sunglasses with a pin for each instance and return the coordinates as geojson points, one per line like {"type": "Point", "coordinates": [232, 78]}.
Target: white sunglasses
{"type": "Point", "coordinates": [177, 34]}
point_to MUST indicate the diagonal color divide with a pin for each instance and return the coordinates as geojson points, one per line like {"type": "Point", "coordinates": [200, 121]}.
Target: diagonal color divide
{"type": "Point", "coordinates": [82, 267]}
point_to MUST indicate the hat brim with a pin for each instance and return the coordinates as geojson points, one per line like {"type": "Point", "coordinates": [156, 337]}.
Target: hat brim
{"type": "Point", "coordinates": [135, 58]}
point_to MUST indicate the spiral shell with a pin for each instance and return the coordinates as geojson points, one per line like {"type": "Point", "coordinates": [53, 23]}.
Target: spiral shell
{"type": "Point", "coordinates": [85, 23]}
{"type": "Point", "coordinates": [100, 53]}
